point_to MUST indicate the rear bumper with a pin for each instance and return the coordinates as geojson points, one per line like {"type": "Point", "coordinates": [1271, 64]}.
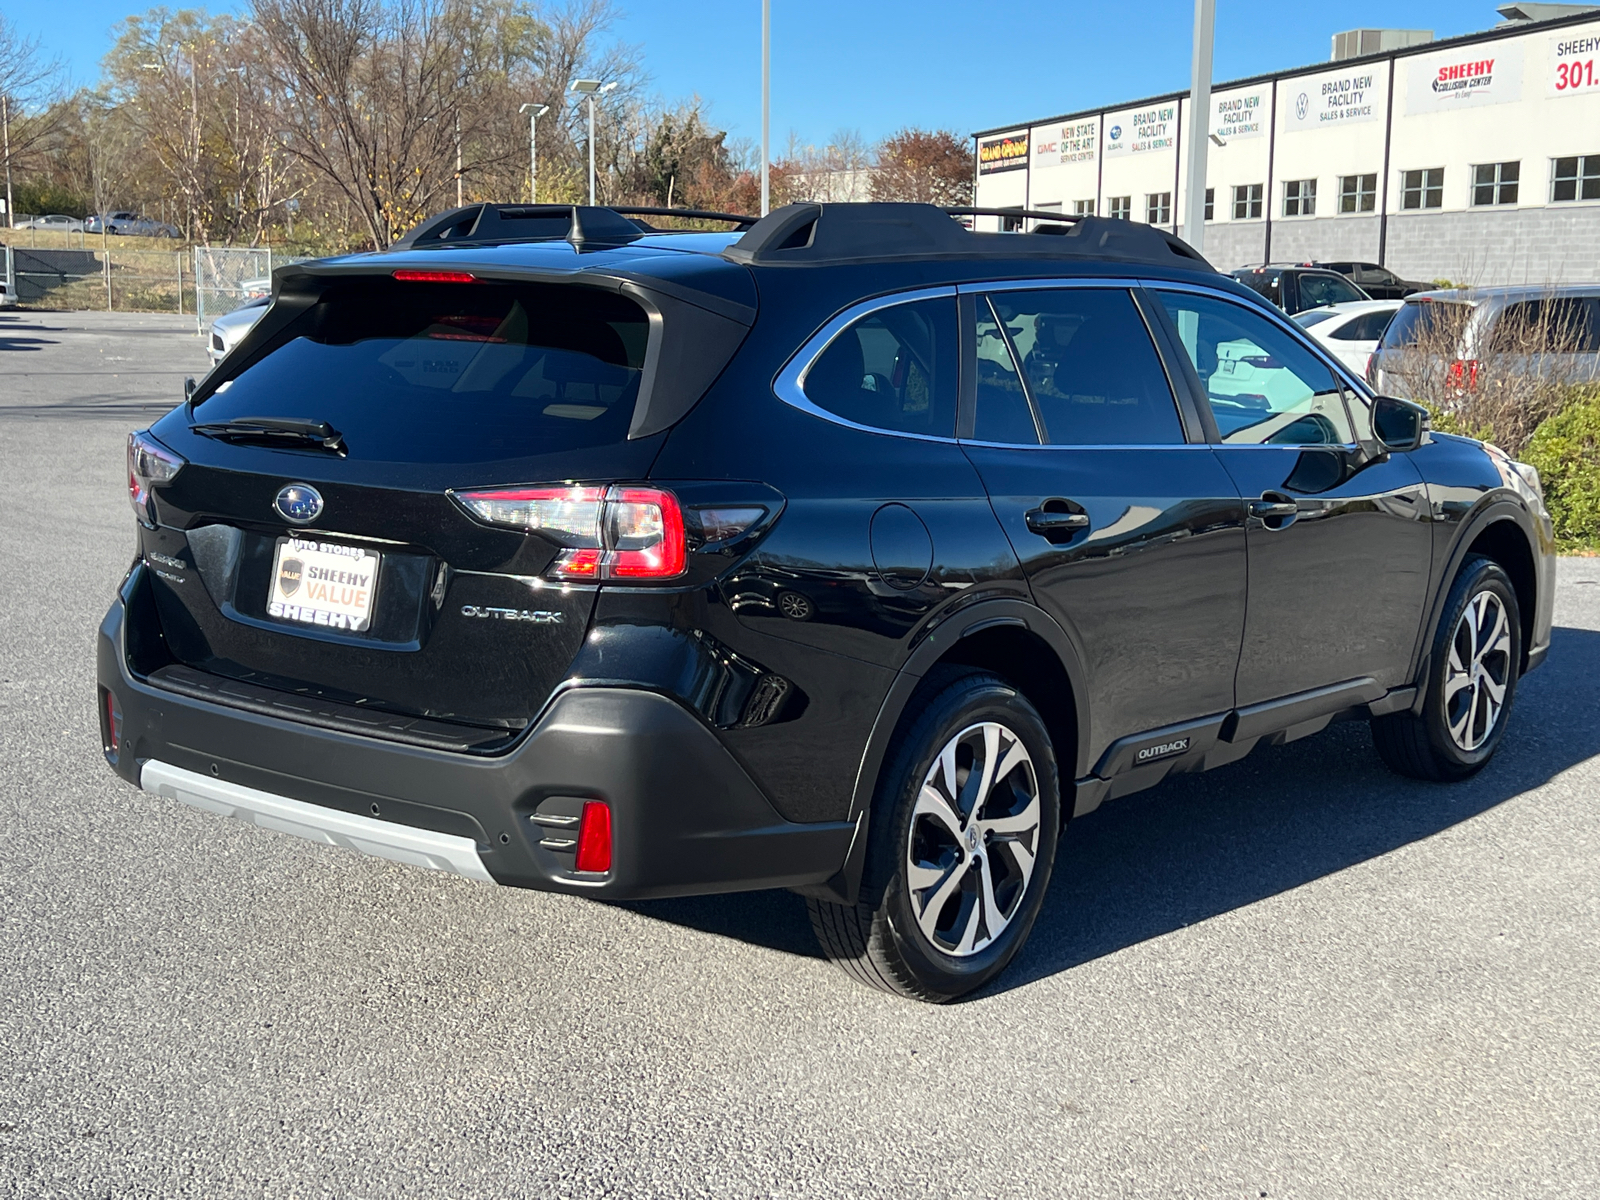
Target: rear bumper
{"type": "Point", "coordinates": [686, 818]}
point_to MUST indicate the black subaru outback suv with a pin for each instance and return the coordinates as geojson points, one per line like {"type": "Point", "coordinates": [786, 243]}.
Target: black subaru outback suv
{"type": "Point", "coordinates": [852, 553]}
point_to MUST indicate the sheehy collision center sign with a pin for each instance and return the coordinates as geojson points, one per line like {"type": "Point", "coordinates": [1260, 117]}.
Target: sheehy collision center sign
{"type": "Point", "coordinates": [1056, 145]}
{"type": "Point", "coordinates": [1007, 153]}
{"type": "Point", "coordinates": [1488, 73]}
{"type": "Point", "coordinates": [1573, 66]}
{"type": "Point", "coordinates": [1332, 98]}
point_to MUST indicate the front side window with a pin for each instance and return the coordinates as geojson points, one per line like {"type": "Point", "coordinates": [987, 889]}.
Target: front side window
{"type": "Point", "coordinates": [894, 369]}
{"type": "Point", "coordinates": [1495, 183]}
{"type": "Point", "coordinates": [1247, 202]}
{"type": "Point", "coordinates": [1120, 208]}
{"type": "Point", "coordinates": [1158, 208]}
{"type": "Point", "coordinates": [1576, 178]}
{"type": "Point", "coordinates": [1089, 373]}
{"type": "Point", "coordinates": [1265, 388]}
{"type": "Point", "coordinates": [1422, 189]}
{"type": "Point", "coordinates": [1300, 198]}
{"type": "Point", "coordinates": [1358, 193]}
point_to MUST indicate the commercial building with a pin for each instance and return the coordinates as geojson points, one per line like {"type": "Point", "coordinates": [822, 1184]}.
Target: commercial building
{"type": "Point", "coordinates": [1474, 159]}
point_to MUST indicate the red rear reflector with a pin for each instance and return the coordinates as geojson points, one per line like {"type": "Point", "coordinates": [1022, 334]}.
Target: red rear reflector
{"type": "Point", "coordinates": [411, 275]}
{"type": "Point", "coordinates": [594, 837]}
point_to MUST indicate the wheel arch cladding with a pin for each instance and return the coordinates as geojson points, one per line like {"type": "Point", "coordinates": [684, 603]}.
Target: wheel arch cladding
{"type": "Point", "coordinates": [1504, 541]}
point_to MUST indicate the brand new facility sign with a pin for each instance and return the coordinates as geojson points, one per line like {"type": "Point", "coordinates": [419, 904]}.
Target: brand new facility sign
{"type": "Point", "coordinates": [1236, 115]}
{"type": "Point", "coordinates": [1141, 130]}
{"type": "Point", "coordinates": [1329, 99]}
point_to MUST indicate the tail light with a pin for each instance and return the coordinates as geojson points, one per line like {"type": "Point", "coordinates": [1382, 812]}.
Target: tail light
{"type": "Point", "coordinates": [594, 837]}
{"type": "Point", "coordinates": [618, 532]}
{"type": "Point", "coordinates": [1462, 375]}
{"type": "Point", "coordinates": [409, 275]}
{"type": "Point", "coordinates": [149, 463]}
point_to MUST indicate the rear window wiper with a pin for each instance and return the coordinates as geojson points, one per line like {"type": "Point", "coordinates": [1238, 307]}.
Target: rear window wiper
{"type": "Point", "coordinates": [275, 431]}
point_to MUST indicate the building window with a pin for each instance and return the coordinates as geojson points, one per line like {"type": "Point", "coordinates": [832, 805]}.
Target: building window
{"type": "Point", "coordinates": [1158, 208]}
{"type": "Point", "coordinates": [1083, 208]}
{"type": "Point", "coordinates": [1358, 193]}
{"type": "Point", "coordinates": [1422, 189]}
{"type": "Point", "coordinates": [1576, 178]}
{"type": "Point", "coordinates": [1121, 208]}
{"type": "Point", "coordinates": [1247, 202]}
{"type": "Point", "coordinates": [1011, 224]}
{"type": "Point", "coordinates": [1495, 183]}
{"type": "Point", "coordinates": [1211, 204]}
{"type": "Point", "coordinates": [1300, 198]}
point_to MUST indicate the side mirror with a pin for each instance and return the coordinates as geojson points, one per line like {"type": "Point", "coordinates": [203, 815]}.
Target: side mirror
{"type": "Point", "coordinates": [1399, 424]}
{"type": "Point", "coordinates": [188, 388]}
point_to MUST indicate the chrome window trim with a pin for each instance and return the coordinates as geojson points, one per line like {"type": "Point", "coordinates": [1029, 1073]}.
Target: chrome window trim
{"type": "Point", "coordinates": [789, 384]}
{"type": "Point", "coordinates": [1036, 285]}
{"type": "Point", "coordinates": [1092, 445]}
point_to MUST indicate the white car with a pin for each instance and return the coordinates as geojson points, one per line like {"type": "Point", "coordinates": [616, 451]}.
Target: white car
{"type": "Point", "coordinates": [228, 329]}
{"type": "Point", "coordinates": [1349, 332]}
{"type": "Point", "coordinates": [8, 294]}
{"type": "Point", "coordinates": [55, 221]}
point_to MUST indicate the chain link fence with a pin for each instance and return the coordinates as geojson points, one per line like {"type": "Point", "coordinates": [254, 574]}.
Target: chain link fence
{"type": "Point", "coordinates": [204, 282]}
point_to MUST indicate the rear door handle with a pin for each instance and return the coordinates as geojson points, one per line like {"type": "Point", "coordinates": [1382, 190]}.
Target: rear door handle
{"type": "Point", "coordinates": [1055, 526]}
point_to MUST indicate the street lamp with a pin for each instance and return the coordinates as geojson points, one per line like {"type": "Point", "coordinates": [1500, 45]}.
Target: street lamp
{"type": "Point", "coordinates": [534, 111]}
{"type": "Point", "coordinates": [588, 88]}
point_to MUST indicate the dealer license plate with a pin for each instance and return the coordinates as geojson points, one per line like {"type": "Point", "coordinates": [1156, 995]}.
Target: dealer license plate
{"type": "Point", "coordinates": [321, 583]}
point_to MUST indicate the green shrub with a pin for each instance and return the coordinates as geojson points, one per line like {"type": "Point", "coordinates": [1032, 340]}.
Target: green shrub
{"type": "Point", "coordinates": [39, 198]}
{"type": "Point", "coordinates": [1566, 450]}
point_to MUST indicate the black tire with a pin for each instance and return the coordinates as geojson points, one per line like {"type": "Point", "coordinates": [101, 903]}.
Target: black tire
{"type": "Point", "coordinates": [879, 940]}
{"type": "Point", "coordinates": [1422, 745]}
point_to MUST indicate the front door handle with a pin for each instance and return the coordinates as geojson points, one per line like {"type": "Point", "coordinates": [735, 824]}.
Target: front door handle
{"type": "Point", "coordinates": [1055, 526]}
{"type": "Point", "coordinates": [1274, 508]}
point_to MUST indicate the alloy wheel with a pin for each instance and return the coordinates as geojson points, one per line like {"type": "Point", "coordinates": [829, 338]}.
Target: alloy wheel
{"type": "Point", "coordinates": [1478, 671]}
{"type": "Point", "coordinates": [973, 839]}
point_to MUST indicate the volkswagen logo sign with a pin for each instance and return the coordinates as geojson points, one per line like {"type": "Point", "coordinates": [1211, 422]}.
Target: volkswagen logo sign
{"type": "Point", "coordinates": [299, 503]}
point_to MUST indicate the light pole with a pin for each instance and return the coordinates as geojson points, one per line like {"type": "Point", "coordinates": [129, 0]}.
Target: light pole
{"type": "Point", "coordinates": [766, 106]}
{"type": "Point", "coordinates": [1205, 22]}
{"type": "Point", "coordinates": [588, 88]}
{"type": "Point", "coordinates": [534, 111]}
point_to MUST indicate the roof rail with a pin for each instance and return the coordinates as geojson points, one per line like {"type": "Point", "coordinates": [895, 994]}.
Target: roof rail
{"type": "Point", "coordinates": [817, 234]}
{"type": "Point", "coordinates": [582, 225]}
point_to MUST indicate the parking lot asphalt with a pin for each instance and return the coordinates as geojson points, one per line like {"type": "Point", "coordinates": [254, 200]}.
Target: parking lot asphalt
{"type": "Point", "coordinates": [1299, 976]}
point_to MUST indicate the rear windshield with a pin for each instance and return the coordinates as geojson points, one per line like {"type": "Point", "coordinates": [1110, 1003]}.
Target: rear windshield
{"type": "Point", "coordinates": [1435, 325]}
{"type": "Point", "coordinates": [451, 372]}
{"type": "Point", "coordinates": [1315, 317]}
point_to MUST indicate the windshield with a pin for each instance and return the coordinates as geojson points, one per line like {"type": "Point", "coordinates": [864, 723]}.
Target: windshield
{"type": "Point", "coordinates": [451, 372]}
{"type": "Point", "coordinates": [1315, 317]}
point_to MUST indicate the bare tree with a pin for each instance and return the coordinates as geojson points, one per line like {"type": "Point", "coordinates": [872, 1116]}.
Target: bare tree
{"type": "Point", "coordinates": [28, 81]}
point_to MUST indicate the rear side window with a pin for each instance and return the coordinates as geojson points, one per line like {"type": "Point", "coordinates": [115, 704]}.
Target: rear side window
{"type": "Point", "coordinates": [1368, 327]}
{"type": "Point", "coordinates": [1436, 324]}
{"type": "Point", "coordinates": [470, 372]}
{"type": "Point", "coordinates": [1264, 283]}
{"type": "Point", "coordinates": [1092, 373]}
{"type": "Point", "coordinates": [1563, 325]}
{"type": "Point", "coordinates": [894, 369]}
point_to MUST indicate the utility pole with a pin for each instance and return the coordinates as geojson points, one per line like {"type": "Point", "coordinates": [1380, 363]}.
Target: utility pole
{"type": "Point", "coordinates": [5, 120]}
{"type": "Point", "coordinates": [1205, 21]}
{"type": "Point", "coordinates": [766, 106]}
{"type": "Point", "coordinates": [534, 111]}
{"type": "Point", "coordinates": [458, 158]}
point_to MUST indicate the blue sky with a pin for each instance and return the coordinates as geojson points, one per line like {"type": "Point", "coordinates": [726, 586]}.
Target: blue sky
{"type": "Point", "coordinates": [877, 65]}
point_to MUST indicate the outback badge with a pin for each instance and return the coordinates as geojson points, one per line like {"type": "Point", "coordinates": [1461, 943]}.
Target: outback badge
{"type": "Point", "coordinates": [299, 503]}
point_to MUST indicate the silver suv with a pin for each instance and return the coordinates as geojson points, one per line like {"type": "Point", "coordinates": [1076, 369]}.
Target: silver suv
{"type": "Point", "coordinates": [1551, 330]}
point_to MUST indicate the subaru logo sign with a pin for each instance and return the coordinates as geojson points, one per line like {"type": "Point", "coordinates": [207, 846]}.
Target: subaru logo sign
{"type": "Point", "coordinates": [299, 503]}
{"type": "Point", "coordinates": [1116, 132]}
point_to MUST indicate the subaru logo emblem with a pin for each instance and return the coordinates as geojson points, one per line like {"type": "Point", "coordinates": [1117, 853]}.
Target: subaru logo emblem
{"type": "Point", "coordinates": [1116, 132]}
{"type": "Point", "coordinates": [299, 503]}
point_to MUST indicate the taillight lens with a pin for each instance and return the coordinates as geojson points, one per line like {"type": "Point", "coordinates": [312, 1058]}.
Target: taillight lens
{"type": "Point", "coordinates": [594, 837]}
{"type": "Point", "coordinates": [149, 463]}
{"type": "Point", "coordinates": [110, 723]}
{"type": "Point", "coordinates": [606, 533]}
{"type": "Point", "coordinates": [1462, 375]}
{"type": "Point", "coordinates": [410, 275]}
